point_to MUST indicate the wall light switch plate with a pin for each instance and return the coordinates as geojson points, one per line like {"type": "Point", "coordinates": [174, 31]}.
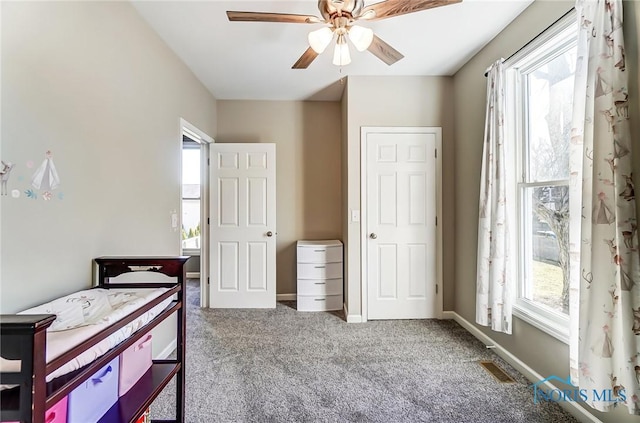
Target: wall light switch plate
{"type": "Point", "coordinates": [355, 215]}
{"type": "Point", "coordinates": [174, 220]}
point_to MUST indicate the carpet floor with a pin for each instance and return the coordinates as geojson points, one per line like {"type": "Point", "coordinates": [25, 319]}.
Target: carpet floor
{"type": "Point", "coordinates": [281, 365]}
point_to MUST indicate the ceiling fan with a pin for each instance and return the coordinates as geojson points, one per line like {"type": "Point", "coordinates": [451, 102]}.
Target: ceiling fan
{"type": "Point", "coordinates": [340, 17]}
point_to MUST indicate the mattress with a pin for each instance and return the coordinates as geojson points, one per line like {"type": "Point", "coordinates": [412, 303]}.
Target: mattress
{"type": "Point", "coordinates": [100, 308]}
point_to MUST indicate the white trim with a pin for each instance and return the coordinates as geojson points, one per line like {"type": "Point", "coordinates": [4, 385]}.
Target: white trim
{"type": "Point", "coordinates": [193, 275]}
{"type": "Point", "coordinates": [558, 327]}
{"type": "Point", "coordinates": [286, 297]}
{"type": "Point", "coordinates": [168, 350]}
{"type": "Point", "coordinates": [364, 253]}
{"type": "Point", "coordinates": [204, 140]}
{"type": "Point", "coordinates": [554, 41]}
{"type": "Point", "coordinates": [364, 131]}
{"type": "Point", "coordinates": [353, 318]}
{"type": "Point", "coordinates": [439, 226]}
{"type": "Point", "coordinates": [448, 315]}
{"type": "Point", "coordinates": [561, 25]}
{"type": "Point", "coordinates": [193, 130]}
{"type": "Point", "coordinates": [205, 186]}
{"type": "Point", "coordinates": [193, 252]}
{"type": "Point", "coordinates": [580, 413]}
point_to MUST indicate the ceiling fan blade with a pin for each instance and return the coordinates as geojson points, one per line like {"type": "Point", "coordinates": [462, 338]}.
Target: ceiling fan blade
{"type": "Point", "coordinates": [271, 17]}
{"type": "Point", "coordinates": [384, 51]}
{"type": "Point", "coordinates": [390, 8]}
{"type": "Point", "coordinates": [305, 60]}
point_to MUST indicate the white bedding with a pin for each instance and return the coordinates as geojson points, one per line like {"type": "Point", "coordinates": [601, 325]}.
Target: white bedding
{"type": "Point", "coordinates": [100, 309]}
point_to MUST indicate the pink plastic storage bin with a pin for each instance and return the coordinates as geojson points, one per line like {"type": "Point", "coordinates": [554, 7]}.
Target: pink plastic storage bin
{"type": "Point", "coordinates": [134, 362]}
{"type": "Point", "coordinates": [89, 401]}
{"type": "Point", "coordinates": [57, 413]}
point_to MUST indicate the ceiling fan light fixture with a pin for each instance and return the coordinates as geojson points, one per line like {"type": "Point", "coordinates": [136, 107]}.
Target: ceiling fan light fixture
{"type": "Point", "coordinates": [339, 17]}
{"type": "Point", "coordinates": [320, 39]}
{"type": "Point", "coordinates": [361, 37]}
{"type": "Point", "coordinates": [341, 55]}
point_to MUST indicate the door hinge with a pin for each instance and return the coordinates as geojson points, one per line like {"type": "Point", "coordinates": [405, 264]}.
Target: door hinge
{"type": "Point", "coordinates": [208, 221]}
{"type": "Point", "coordinates": [208, 282]}
{"type": "Point", "coordinates": [436, 288]}
{"type": "Point", "coordinates": [436, 220]}
{"type": "Point", "coordinates": [208, 161]}
{"type": "Point", "coordinates": [436, 153]}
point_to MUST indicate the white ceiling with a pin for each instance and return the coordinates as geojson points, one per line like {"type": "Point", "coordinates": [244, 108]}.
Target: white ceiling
{"type": "Point", "coordinates": [252, 60]}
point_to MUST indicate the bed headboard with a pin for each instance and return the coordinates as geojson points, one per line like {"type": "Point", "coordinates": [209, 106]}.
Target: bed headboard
{"type": "Point", "coordinates": [110, 267]}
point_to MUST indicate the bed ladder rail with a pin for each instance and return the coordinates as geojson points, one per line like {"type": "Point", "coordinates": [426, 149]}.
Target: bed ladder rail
{"type": "Point", "coordinates": [24, 338]}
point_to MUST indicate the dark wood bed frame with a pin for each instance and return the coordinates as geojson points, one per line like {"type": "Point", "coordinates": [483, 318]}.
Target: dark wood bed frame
{"type": "Point", "coordinates": [23, 337]}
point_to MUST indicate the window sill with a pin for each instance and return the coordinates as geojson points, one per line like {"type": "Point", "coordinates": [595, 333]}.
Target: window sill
{"type": "Point", "coordinates": [557, 327]}
{"type": "Point", "coordinates": [191, 252]}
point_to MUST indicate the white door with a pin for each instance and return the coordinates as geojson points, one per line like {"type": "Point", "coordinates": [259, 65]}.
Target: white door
{"type": "Point", "coordinates": [243, 226]}
{"type": "Point", "coordinates": [401, 207]}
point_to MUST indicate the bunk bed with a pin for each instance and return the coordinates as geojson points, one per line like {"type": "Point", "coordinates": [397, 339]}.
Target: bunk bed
{"type": "Point", "coordinates": [23, 340]}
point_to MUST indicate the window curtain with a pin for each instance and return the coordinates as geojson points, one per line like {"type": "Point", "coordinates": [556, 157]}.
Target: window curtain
{"type": "Point", "coordinates": [493, 293]}
{"type": "Point", "coordinates": [605, 291]}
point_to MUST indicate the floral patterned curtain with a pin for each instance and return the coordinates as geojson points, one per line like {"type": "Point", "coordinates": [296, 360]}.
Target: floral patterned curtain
{"type": "Point", "coordinates": [493, 293]}
{"type": "Point", "coordinates": [605, 293]}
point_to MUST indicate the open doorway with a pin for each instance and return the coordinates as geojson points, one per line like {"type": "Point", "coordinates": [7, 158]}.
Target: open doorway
{"type": "Point", "coordinates": [194, 204]}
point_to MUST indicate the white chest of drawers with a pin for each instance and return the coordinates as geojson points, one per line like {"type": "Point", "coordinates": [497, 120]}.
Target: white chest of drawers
{"type": "Point", "coordinates": [319, 275]}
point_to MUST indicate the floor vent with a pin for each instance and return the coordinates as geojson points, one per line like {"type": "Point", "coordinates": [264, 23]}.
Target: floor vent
{"type": "Point", "coordinates": [496, 372]}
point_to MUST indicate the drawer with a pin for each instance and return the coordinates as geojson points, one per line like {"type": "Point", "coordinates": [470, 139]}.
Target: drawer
{"type": "Point", "coordinates": [57, 413]}
{"type": "Point", "coordinates": [319, 271]}
{"type": "Point", "coordinates": [319, 254]}
{"type": "Point", "coordinates": [134, 363]}
{"type": "Point", "coordinates": [319, 302]}
{"type": "Point", "coordinates": [95, 396]}
{"type": "Point", "coordinates": [319, 286]}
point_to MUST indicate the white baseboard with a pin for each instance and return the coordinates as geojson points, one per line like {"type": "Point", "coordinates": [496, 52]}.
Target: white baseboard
{"type": "Point", "coordinates": [572, 408]}
{"type": "Point", "coordinates": [168, 350]}
{"type": "Point", "coordinates": [449, 315]}
{"type": "Point", "coordinates": [354, 318]}
{"type": "Point", "coordinates": [351, 318]}
{"type": "Point", "coordinates": [286, 297]}
{"type": "Point", "coordinates": [193, 275]}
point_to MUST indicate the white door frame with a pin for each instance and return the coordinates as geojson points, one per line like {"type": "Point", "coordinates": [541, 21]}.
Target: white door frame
{"type": "Point", "coordinates": [204, 141]}
{"type": "Point", "coordinates": [364, 132]}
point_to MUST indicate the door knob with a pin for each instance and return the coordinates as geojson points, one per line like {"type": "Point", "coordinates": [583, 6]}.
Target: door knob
{"type": "Point", "coordinates": [373, 236]}
{"type": "Point", "coordinates": [269, 234]}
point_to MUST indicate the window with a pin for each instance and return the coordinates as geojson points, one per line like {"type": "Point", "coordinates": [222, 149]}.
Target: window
{"type": "Point", "coordinates": [190, 196]}
{"type": "Point", "coordinates": [541, 83]}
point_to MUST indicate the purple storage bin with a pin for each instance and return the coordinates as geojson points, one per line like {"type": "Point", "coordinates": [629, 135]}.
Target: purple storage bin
{"type": "Point", "coordinates": [95, 396]}
{"type": "Point", "coordinates": [134, 362]}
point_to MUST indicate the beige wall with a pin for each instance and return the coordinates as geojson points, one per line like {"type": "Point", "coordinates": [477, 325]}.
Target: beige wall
{"type": "Point", "coordinates": [91, 82]}
{"type": "Point", "coordinates": [398, 101]}
{"type": "Point", "coordinates": [544, 354]}
{"type": "Point", "coordinates": [308, 163]}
